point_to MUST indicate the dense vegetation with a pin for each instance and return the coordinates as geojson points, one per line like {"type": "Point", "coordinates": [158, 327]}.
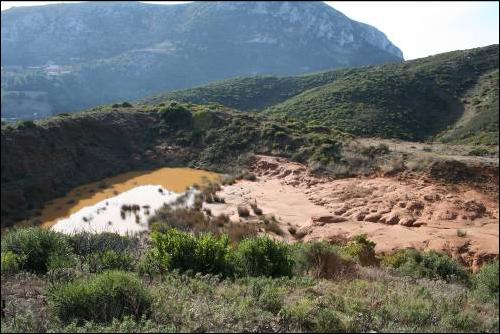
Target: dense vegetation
{"type": "Point", "coordinates": [252, 93]}
{"type": "Point", "coordinates": [451, 96]}
{"type": "Point", "coordinates": [479, 123]}
{"type": "Point", "coordinates": [414, 100]}
{"type": "Point", "coordinates": [185, 282]}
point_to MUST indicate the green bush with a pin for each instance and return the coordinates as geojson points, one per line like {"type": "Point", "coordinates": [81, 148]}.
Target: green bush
{"type": "Point", "coordinates": [263, 256]}
{"type": "Point", "coordinates": [213, 255]}
{"type": "Point", "coordinates": [110, 260]}
{"type": "Point", "coordinates": [26, 124]}
{"type": "Point", "coordinates": [37, 247]}
{"type": "Point", "coordinates": [176, 116]}
{"type": "Point", "coordinates": [361, 250]}
{"type": "Point", "coordinates": [11, 263]}
{"type": "Point", "coordinates": [430, 264]}
{"type": "Point", "coordinates": [112, 294]}
{"type": "Point", "coordinates": [320, 260]}
{"type": "Point", "coordinates": [179, 250]}
{"type": "Point", "coordinates": [485, 283]}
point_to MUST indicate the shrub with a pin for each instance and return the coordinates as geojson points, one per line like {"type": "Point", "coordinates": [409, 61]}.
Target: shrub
{"type": "Point", "coordinates": [373, 151]}
{"type": "Point", "coordinates": [243, 211]}
{"type": "Point", "coordinates": [480, 152]}
{"type": "Point", "coordinates": [179, 250]}
{"type": "Point", "coordinates": [176, 117]}
{"type": "Point", "coordinates": [11, 263]}
{"type": "Point", "coordinates": [263, 256]}
{"type": "Point", "coordinates": [126, 105]}
{"type": "Point", "coordinates": [485, 283]}
{"type": "Point", "coordinates": [112, 294]}
{"type": "Point", "coordinates": [150, 265]}
{"type": "Point", "coordinates": [272, 225]}
{"type": "Point", "coordinates": [85, 244]}
{"type": "Point", "coordinates": [361, 250]}
{"type": "Point", "coordinates": [256, 209]}
{"type": "Point", "coordinates": [36, 247]}
{"type": "Point", "coordinates": [430, 264]}
{"type": "Point", "coordinates": [320, 260]}
{"type": "Point", "coordinates": [213, 255]}
{"type": "Point", "coordinates": [26, 124]}
{"type": "Point", "coordinates": [110, 260]}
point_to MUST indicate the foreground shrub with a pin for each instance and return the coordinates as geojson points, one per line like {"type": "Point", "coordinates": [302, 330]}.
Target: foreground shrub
{"type": "Point", "coordinates": [205, 253]}
{"type": "Point", "coordinates": [361, 250]}
{"type": "Point", "coordinates": [263, 256]}
{"type": "Point", "coordinates": [110, 260]}
{"type": "Point", "coordinates": [112, 294]}
{"type": "Point", "coordinates": [320, 260]}
{"type": "Point", "coordinates": [84, 244]}
{"type": "Point", "coordinates": [11, 263]}
{"type": "Point", "coordinates": [36, 247]}
{"type": "Point", "coordinates": [485, 283]}
{"type": "Point", "coordinates": [430, 264]}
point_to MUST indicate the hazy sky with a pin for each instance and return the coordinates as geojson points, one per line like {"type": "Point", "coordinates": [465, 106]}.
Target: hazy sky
{"type": "Point", "coordinates": [419, 29]}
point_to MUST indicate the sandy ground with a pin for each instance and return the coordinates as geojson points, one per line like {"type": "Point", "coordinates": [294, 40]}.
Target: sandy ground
{"type": "Point", "coordinates": [394, 213]}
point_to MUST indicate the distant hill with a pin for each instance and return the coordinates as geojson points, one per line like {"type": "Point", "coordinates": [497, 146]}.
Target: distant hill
{"type": "Point", "coordinates": [104, 52]}
{"type": "Point", "coordinates": [451, 97]}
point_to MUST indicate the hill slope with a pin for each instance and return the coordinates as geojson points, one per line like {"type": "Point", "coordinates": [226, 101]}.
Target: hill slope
{"type": "Point", "coordinates": [113, 51]}
{"type": "Point", "coordinates": [451, 97]}
{"type": "Point", "coordinates": [250, 93]}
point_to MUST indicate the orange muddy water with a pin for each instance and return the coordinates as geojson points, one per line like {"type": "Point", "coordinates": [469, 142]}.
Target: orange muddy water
{"type": "Point", "coordinates": [174, 179]}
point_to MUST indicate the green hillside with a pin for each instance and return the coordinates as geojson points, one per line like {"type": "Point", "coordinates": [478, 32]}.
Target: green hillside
{"type": "Point", "coordinates": [451, 97]}
{"type": "Point", "coordinates": [479, 123]}
{"type": "Point", "coordinates": [415, 100]}
{"type": "Point", "coordinates": [251, 93]}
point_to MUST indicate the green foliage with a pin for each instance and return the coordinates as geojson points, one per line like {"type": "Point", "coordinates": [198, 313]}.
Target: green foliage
{"type": "Point", "coordinates": [205, 253]}
{"type": "Point", "coordinates": [176, 116]}
{"type": "Point", "coordinates": [414, 100]}
{"type": "Point", "coordinates": [485, 283]}
{"type": "Point", "coordinates": [37, 247]}
{"type": "Point", "coordinates": [203, 120]}
{"type": "Point", "coordinates": [26, 124]}
{"type": "Point", "coordinates": [320, 260]}
{"type": "Point", "coordinates": [361, 250]}
{"type": "Point", "coordinates": [430, 264]}
{"type": "Point", "coordinates": [11, 263]}
{"type": "Point", "coordinates": [102, 298]}
{"type": "Point", "coordinates": [374, 151]}
{"type": "Point", "coordinates": [110, 260]}
{"type": "Point", "coordinates": [263, 256]}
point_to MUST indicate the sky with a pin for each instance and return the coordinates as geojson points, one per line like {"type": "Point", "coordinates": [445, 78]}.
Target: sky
{"type": "Point", "coordinates": [419, 29]}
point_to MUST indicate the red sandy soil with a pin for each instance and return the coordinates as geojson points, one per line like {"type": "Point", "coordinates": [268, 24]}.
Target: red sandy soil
{"type": "Point", "coordinates": [395, 213]}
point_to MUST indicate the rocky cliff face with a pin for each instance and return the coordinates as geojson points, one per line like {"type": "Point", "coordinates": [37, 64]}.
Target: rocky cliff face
{"type": "Point", "coordinates": [116, 51]}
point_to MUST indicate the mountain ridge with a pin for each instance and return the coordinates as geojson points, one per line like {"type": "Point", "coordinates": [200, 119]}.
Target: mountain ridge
{"type": "Point", "coordinates": [107, 53]}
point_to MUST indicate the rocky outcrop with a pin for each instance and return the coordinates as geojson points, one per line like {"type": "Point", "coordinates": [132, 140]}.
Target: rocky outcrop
{"type": "Point", "coordinates": [422, 212]}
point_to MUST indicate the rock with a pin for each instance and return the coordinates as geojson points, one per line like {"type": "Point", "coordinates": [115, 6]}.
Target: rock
{"type": "Point", "coordinates": [448, 215]}
{"type": "Point", "coordinates": [360, 216]}
{"type": "Point", "coordinates": [322, 220]}
{"type": "Point", "coordinates": [415, 206]}
{"type": "Point", "coordinates": [392, 219]}
{"type": "Point", "coordinates": [432, 197]}
{"type": "Point", "coordinates": [374, 217]}
{"type": "Point", "coordinates": [407, 221]}
{"type": "Point", "coordinates": [340, 211]}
